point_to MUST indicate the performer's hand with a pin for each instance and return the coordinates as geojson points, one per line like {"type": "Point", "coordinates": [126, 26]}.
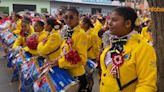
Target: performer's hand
{"type": "Point", "coordinates": [54, 63]}
{"type": "Point", "coordinates": [44, 40]}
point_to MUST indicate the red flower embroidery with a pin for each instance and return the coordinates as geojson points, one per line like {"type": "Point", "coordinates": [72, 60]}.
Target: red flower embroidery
{"type": "Point", "coordinates": [117, 59]}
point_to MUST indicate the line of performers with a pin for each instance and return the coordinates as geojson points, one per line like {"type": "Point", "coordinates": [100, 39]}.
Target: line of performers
{"type": "Point", "coordinates": [64, 53]}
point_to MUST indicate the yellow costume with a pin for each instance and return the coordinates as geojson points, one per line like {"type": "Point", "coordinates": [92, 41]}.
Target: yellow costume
{"type": "Point", "coordinates": [20, 41]}
{"type": "Point", "coordinates": [97, 26]}
{"type": "Point", "coordinates": [17, 27]}
{"type": "Point", "coordinates": [80, 45]}
{"type": "Point", "coordinates": [93, 45]}
{"type": "Point", "coordinates": [41, 36]}
{"type": "Point", "coordinates": [51, 48]}
{"type": "Point", "coordinates": [139, 64]}
{"type": "Point", "coordinates": [146, 35]}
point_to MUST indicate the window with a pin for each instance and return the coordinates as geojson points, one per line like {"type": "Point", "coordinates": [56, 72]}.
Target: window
{"type": "Point", "coordinates": [4, 10]}
{"type": "Point", "coordinates": [44, 10]}
{"type": "Point", "coordinates": [96, 10]}
{"type": "Point", "coordinates": [22, 7]}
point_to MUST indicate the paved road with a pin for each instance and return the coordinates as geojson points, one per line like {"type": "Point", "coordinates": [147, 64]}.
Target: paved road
{"type": "Point", "coordinates": [5, 76]}
{"type": "Point", "coordinates": [96, 81]}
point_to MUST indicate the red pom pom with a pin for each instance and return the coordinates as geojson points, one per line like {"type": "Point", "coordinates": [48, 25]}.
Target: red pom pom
{"type": "Point", "coordinates": [32, 42]}
{"type": "Point", "coordinates": [73, 57]}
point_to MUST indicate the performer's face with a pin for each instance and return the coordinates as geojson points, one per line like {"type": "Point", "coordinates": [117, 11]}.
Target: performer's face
{"type": "Point", "coordinates": [118, 25]}
{"type": "Point", "coordinates": [37, 27]}
{"type": "Point", "coordinates": [71, 19]}
{"type": "Point", "coordinates": [25, 27]}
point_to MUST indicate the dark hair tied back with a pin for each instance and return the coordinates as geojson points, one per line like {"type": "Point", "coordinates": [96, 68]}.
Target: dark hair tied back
{"type": "Point", "coordinates": [128, 13]}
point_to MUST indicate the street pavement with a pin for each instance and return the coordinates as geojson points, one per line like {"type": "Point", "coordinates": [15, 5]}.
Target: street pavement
{"type": "Point", "coordinates": [5, 76]}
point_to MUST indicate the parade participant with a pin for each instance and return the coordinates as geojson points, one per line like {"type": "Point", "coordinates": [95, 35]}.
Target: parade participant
{"type": "Point", "coordinates": [146, 32]}
{"type": "Point", "coordinates": [4, 25]}
{"type": "Point", "coordinates": [16, 25]}
{"type": "Point", "coordinates": [93, 45]}
{"type": "Point", "coordinates": [36, 18]}
{"type": "Point", "coordinates": [100, 22]}
{"type": "Point", "coordinates": [45, 17]}
{"type": "Point", "coordinates": [101, 33]}
{"type": "Point", "coordinates": [74, 48]}
{"type": "Point", "coordinates": [59, 15]}
{"type": "Point", "coordinates": [93, 19]}
{"type": "Point", "coordinates": [4, 22]}
{"type": "Point", "coordinates": [50, 46]}
{"type": "Point", "coordinates": [129, 63]}
{"type": "Point", "coordinates": [98, 25]}
{"type": "Point", "coordinates": [25, 32]}
{"type": "Point", "coordinates": [37, 37]}
{"type": "Point", "coordinates": [59, 18]}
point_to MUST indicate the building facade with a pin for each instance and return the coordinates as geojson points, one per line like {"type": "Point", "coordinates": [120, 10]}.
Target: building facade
{"type": "Point", "coordinates": [40, 6]}
{"type": "Point", "coordinates": [83, 6]}
{"type": "Point", "coordinates": [51, 6]}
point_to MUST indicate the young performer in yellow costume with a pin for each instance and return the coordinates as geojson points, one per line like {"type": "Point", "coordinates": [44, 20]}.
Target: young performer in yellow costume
{"type": "Point", "coordinates": [146, 32]}
{"type": "Point", "coordinates": [129, 63]}
{"type": "Point", "coordinates": [93, 50]}
{"type": "Point", "coordinates": [93, 45]}
{"type": "Point", "coordinates": [40, 34]}
{"type": "Point", "coordinates": [25, 32]}
{"type": "Point", "coordinates": [50, 46]}
{"type": "Point", "coordinates": [16, 26]}
{"type": "Point", "coordinates": [74, 48]}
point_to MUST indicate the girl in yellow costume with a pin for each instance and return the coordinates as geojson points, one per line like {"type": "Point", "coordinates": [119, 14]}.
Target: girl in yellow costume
{"type": "Point", "coordinates": [129, 63]}
{"type": "Point", "coordinates": [93, 45]}
{"type": "Point", "coordinates": [16, 26]}
{"type": "Point", "coordinates": [145, 32]}
{"type": "Point", "coordinates": [40, 34]}
{"type": "Point", "coordinates": [50, 46]}
{"type": "Point", "coordinates": [74, 47]}
{"type": "Point", "coordinates": [100, 23]}
{"type": "Point", "coordinates": [25, 32]}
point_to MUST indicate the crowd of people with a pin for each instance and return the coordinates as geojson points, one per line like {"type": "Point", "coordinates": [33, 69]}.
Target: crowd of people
{"type": "Point", "coordinates": [121, 44]}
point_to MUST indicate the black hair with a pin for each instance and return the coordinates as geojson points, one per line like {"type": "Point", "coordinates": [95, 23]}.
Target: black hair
{"type": "Point", "coordinates": [128, 13]}
{"type": "Point", "coordinates": [74, 10]}
{"type": "Point", "coordinates": [46, 16]}
{"type": "Point", "coordinates": [27, 20]}
{"type": "Point", "coordinates": [51, 21]}
{"type": "Point", "coordinates": [100, 33]}
{"type": "Point", "coordinates": [36, 14]}
{"type": "Point", "coordinates": [86, 20]}
{"type": "Point", "coordinates": [62, 21]}
{"type": "Point", "coordinates": [40, 23]}
{"type": "Point", "coordinates": [60, 13]}
{"type": "Point", "coordinates": [102, 20]}
{"type": "Point", "coordinates": [17, 16]}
